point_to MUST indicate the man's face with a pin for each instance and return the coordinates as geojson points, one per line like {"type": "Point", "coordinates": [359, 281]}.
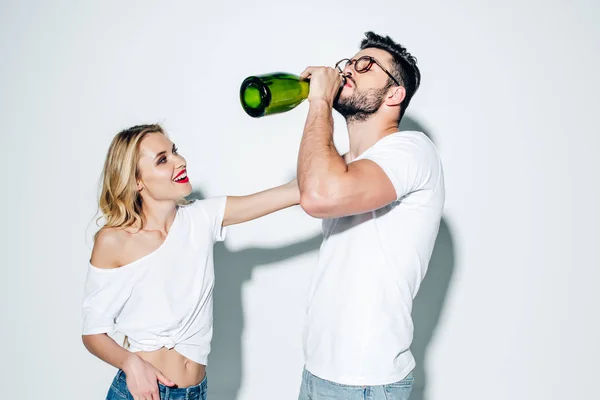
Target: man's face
{"type": "Point", "coordinates": [364, 92]}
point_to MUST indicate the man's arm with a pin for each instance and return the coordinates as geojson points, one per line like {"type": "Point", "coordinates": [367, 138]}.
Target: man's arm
{"type": "Point", "coordinates": [328, 186]}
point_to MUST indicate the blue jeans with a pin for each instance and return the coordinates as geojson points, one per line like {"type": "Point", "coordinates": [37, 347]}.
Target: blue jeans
{"type": "Point", "coordinates": [315, 388]}
{"type": "Point", "coordinates": [119, 391]}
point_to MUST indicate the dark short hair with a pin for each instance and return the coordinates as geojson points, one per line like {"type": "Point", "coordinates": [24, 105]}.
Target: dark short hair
{"type": "Point", "coordinates": [404, 65]}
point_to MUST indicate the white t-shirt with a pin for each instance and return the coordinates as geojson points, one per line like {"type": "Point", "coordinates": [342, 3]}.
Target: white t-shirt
{"type": "Point", "coordinates": [358, 327]}
{"type": "Point", "coordinates": [163, 299]}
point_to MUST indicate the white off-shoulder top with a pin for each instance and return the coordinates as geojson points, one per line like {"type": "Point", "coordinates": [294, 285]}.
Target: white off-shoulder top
{"type": "Point", "coordinates": [163, 299]}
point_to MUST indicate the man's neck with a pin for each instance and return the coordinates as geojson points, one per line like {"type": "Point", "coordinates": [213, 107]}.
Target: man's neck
{"type": "Point", "coordinates": [364, 134]}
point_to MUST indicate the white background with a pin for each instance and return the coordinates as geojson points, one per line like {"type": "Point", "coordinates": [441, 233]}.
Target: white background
{"type": "Point", "coordinates": [509, 95]}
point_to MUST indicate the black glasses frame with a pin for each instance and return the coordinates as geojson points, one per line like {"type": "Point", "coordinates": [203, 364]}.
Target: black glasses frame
{"type": "Point", "coordinates": [365, 69]}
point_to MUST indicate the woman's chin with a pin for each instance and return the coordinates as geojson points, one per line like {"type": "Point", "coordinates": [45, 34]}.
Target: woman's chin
{"type": "Point", "coordinates": [187, 189]}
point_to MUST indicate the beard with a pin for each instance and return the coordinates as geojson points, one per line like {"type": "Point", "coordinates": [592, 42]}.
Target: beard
{"type": "Point", "coordinates": [360, 105]}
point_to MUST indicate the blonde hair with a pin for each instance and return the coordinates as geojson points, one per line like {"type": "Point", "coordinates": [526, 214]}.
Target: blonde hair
{"type": "Point", "coordinates": [120, 202]}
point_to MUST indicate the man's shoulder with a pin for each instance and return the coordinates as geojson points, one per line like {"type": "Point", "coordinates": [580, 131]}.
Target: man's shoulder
{"type": "Point", "coordinates": [417, 138]}
{"type": "Point", "coordinates": [415, 146]}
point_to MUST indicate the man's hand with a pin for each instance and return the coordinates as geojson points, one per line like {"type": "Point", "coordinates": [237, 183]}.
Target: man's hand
{"type": "Point", "coordinates": [325, 82]}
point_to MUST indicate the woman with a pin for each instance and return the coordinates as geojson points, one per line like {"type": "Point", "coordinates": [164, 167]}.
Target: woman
{"type": "Point", "coordinates": [150, 275]}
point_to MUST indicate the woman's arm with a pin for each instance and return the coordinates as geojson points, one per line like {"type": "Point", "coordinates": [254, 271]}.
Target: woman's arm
{"type": "Point", "coordinates": [141, 375]}
{"type": "Point", "coordinates": [246, 208]}
{"type": "Point", "coordinates": [106, 349]}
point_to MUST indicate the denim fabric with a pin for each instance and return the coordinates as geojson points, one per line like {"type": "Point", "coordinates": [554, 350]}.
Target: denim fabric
{"type": "Point", "coordinates": [315, 388]}
{"type": "Point", "coordinates": [119, 391]}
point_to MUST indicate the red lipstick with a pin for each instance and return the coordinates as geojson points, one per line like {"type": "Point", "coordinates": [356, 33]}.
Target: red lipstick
{"type": "Point", "coordinates": [181, 177]}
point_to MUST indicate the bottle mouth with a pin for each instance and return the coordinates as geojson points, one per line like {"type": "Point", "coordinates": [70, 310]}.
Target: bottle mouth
{"type": "Point", "coordinates": [254, 96]}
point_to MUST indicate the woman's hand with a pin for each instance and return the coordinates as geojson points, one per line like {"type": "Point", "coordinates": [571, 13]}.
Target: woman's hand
{"type": "Point", "coordinates": [143, 378]}
{"type": "Point", "coordinates": [293, 185]}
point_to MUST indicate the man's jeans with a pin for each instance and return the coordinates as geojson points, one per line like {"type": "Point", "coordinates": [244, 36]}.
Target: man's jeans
{"type": "Point", "coordinates": [315, 388]}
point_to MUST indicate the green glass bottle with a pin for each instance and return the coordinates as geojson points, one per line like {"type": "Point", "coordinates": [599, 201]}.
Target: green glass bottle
{"type": "Point", "coordinates": [272, 93]}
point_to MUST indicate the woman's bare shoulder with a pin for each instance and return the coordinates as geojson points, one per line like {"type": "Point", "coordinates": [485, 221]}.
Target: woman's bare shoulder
{"type": "Point", "coordinates": [109, 247]}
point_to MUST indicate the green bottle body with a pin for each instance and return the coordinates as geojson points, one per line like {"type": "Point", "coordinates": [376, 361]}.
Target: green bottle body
{"type": "Point", "coordinates": [272, 93]}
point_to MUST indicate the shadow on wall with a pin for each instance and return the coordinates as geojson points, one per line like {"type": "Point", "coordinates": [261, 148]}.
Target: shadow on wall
{"type": "Point", "coordinates": [232, 270]}
{"type": "Point", "coordinates": [429, 302]}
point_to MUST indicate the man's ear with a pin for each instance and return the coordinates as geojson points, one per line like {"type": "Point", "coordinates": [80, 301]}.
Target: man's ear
{"type": "Point", "coordinates": [396, 97]}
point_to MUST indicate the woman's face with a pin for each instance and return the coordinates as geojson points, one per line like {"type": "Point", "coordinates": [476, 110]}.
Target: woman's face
{"type": "Point", "coordinates": [162, 170]}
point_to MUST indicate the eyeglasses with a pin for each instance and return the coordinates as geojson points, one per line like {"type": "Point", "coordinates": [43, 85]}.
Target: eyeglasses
{"type": "Point", "coordinates": [362, 65]}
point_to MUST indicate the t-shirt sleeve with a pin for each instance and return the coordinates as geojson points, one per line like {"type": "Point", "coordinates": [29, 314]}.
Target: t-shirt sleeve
{"type": "Point", "coordinates": [105, 293]}
{"type": "Point", "coordinates": [410, 162]}
{"type": "Point", "coordinates": [213, 210]}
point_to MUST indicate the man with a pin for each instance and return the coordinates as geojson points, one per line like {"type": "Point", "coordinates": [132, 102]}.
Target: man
{"type": "Point", "coordinates": [381, 205]}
